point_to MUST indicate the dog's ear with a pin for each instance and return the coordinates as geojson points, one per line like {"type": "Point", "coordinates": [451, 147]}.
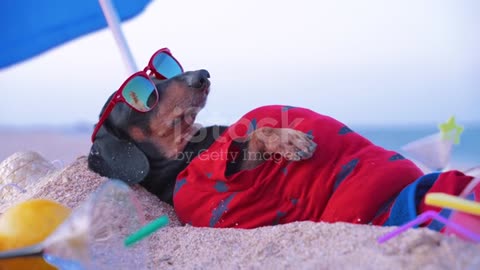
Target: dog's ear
{"type": "Point", "coordinates": [116, 158]}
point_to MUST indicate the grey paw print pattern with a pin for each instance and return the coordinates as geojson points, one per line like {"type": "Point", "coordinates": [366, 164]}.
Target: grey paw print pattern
{"type": "Point", "coordinates": [178, 185]}
{"type": "Point", "coordinates": [396, 157]}
{"type": "Point", "coordinates": [220, 186]}
{"type": "Point", "coordinates": [344, 172]}
{"type": "Point", "coordinates": [252, 127]}
{"type": "Point", "coordinates": [220, 210]}
{"type": "Point", "coordinates": [280, 214]}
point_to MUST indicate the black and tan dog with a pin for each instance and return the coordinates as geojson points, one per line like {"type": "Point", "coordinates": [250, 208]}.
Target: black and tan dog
{"type": "Point", "coordinates": [152, 148]}
{"type": "Point", "coordinates": [347, 178]}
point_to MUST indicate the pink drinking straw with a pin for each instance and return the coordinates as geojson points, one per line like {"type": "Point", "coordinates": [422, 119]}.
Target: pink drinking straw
{"type": "Point", "coordinates": [424, 217]}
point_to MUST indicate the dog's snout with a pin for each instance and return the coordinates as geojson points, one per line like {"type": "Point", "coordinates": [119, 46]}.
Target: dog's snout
{"type": "Point", "coordinates": [198, 79]}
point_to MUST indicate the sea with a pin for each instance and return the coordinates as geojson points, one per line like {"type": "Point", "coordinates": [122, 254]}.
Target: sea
{"type": "Point", "coordinates": [66, 143]}
{"type": "Point", "coordinates": [464, 155]}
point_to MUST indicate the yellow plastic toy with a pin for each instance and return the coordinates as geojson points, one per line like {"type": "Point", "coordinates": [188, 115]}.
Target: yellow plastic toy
{"type": "Point", "coordinates": [26, 224]}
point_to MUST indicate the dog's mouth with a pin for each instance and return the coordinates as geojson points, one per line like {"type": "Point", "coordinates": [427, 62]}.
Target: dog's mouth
{"type": "Point", "coordinates": [190, 115]}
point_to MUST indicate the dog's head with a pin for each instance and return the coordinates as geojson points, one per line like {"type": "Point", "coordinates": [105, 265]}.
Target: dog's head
{"type": "Point", "coordinates": [128, 140]}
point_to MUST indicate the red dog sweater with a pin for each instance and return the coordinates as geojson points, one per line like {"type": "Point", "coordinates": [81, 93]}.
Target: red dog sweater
{"type": "Point", "coordinates": [347, 179]}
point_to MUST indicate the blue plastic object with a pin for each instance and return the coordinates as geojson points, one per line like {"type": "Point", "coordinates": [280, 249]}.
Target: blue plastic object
{"type": "Point", "coordinates": [63, 264]}
{"type": "Point", "coordinates": [31, 27]}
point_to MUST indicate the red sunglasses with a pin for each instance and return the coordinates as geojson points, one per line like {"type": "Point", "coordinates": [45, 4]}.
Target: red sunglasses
{"type": "Point", "coordinates": [139, 91]}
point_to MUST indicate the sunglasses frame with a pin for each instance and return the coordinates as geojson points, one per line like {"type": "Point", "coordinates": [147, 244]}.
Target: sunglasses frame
{"type": "Point", "coordinates": [150, 67]}
{"type": "Point", "coordinates": [118, 97]}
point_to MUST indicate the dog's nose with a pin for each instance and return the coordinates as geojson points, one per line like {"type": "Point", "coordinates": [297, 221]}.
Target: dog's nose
{"type": "Point", "coordinates": [197, 79]}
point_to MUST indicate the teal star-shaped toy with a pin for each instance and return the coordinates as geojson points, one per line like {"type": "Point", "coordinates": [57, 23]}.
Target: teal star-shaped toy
{"type": "Point", "coordinates": [450, 130]}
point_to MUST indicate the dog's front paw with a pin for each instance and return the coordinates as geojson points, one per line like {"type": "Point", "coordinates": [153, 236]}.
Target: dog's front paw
{"type": "Point", "coordinates": [289, 143]}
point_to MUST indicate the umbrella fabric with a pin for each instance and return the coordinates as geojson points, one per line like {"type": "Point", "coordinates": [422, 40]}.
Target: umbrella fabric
{"type": "Point", "coordinates": [30, 27]}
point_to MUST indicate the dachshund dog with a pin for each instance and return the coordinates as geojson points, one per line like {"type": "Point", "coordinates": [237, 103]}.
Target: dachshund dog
{"type": "Point", "coordinates": [152, 148]}
{"type": "Point", "coordinates": [275, 165]}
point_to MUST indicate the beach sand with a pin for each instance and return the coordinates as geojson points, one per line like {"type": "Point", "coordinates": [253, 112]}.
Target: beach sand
{"type": "Point", "coordinates": [299, 245]}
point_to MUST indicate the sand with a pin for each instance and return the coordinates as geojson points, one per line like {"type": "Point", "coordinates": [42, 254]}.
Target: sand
{"type": "Point", "coordinates": [299, 245]}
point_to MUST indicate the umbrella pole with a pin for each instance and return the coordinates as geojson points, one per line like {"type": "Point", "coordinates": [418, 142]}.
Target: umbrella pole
{"type": "Point", "coordinates": [114, 24]}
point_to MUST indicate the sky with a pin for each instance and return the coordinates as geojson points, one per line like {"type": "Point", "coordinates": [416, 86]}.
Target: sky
{"type": "Point", "coordinates": [368, 62]}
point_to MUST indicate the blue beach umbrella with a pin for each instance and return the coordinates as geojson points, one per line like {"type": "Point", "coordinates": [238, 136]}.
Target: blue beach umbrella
{"type": "Point", "coordinates": [31, 27]}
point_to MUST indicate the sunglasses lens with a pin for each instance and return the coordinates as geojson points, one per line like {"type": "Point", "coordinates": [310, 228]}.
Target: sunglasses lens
{"type": "Point", "coordinates": [140, 93]}
{"type": "Point", "coordinates": [166, 65]}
